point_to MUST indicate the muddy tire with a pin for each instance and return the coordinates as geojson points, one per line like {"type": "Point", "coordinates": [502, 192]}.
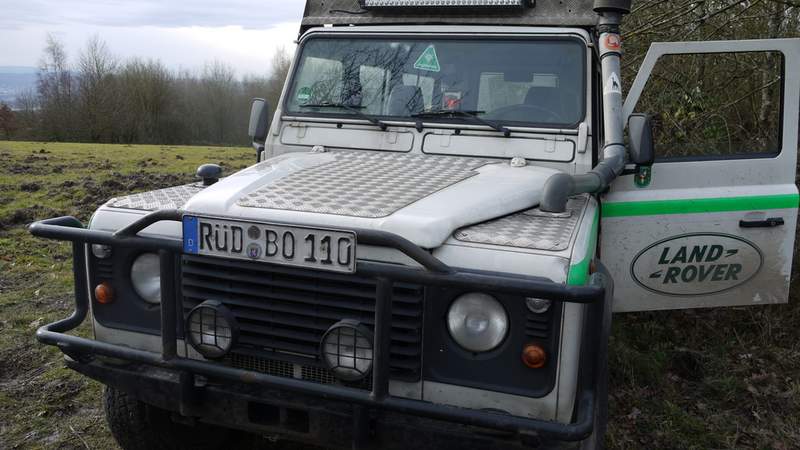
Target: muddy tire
{"type": "Point", "coordinates": [138, 426]}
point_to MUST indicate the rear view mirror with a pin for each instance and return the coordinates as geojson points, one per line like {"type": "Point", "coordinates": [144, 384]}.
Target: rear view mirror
{"type": "Point", "coordinates": [640, 133]}
{"type": "Point", "coordinates": [259, 120]}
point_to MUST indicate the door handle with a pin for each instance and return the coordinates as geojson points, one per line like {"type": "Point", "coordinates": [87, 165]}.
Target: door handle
{"type": "Point", "coordinates": [765, 223]}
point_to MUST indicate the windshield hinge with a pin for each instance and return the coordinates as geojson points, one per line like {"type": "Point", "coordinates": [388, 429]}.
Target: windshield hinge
{"type": "Point", "coordinates": [583, 137]}
{"type": "Point", "coordinates": [550, 143]}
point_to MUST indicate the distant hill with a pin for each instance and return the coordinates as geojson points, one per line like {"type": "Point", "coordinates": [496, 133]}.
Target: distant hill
{"type": "Point", "coordinates": [14, 80]}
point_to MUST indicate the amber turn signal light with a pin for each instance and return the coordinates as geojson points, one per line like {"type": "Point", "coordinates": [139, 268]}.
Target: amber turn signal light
{"type": "Point", "coordinates": [104, 293]}
{"type": "Point", "coordinates": [534, 356]}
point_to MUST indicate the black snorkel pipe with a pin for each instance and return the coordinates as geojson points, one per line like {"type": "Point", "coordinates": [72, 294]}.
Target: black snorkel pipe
{"type": "Point", "coordinates": [559, 187]}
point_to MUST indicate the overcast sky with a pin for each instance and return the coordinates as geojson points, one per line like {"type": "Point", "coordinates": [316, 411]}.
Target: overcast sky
{"type": "Point", "coordinates": [183, 34]}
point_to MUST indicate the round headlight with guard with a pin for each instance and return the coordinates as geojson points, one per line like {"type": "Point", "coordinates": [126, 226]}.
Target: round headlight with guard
{"type": "Point", "coordinates": [477, 322]}
{"type": "Point", "coordinates": [146, 277]}
{"type": "Point", "coordinates": [347, 350]}
{"type": "Point", "coordinates": [211, 329]}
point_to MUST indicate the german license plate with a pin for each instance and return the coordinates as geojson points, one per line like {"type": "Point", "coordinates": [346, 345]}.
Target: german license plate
{"type": "Point", "coordinates": [314, 248]}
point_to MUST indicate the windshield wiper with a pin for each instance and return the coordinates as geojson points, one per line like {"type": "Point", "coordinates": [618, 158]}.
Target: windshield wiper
{"type": "Point", "coordinates": [461, 113]}
{"type": "Point", "coordinates": [352, 109]}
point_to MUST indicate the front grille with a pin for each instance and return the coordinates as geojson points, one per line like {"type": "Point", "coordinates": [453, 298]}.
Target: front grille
{"type": "Point", "coordinates": [104, 269]}
{"type": "Point", "coordinates": [283, 312]}
{"type": "Point", "coordinates": [286, 369]}
{"type": "Point", "coordinates": [537, 325]}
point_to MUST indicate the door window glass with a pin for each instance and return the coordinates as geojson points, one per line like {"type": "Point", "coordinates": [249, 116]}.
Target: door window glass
{"type": "Point", "coordinates": [715, 106]}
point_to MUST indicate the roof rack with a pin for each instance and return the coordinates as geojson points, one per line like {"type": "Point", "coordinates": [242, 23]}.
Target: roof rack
{"type": "Point", "coordinates": [577, 13]}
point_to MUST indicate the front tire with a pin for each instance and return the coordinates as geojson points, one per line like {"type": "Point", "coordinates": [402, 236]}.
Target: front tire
{"type": "Point", "coordinates": [138, 426]}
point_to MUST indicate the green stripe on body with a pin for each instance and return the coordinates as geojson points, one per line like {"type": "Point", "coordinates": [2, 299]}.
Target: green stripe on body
{"type": "Point", "coordinates": [579, 272]}
{"type": "Point", "coordinates": [700, 205]}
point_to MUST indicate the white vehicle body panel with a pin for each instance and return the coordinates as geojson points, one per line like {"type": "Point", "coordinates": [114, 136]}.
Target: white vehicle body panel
{"type": "Point", "coordinates": [697, 205]}
{"type": "Point", "coordinates": [427, 222]}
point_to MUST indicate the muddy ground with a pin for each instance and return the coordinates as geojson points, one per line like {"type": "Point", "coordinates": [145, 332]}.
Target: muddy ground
{"type": "Point", "coordinates": [680, 380]}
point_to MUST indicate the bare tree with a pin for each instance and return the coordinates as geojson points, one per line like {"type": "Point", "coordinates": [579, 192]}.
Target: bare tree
{"type": "Point", "coordinates": [219, 90]}
{"type": "Point", "coordinates": [280, 64]}
{"type": "Point", "coordinates": [8, 120]}
{"type": "Point", "coordinates": [147, 91]}
{"type": "Point", "coordinates": [27, 112]}
{"type": "Point", "coordinates": [96, 75]}
{"type": "Point", "coordinates": [56, 93]}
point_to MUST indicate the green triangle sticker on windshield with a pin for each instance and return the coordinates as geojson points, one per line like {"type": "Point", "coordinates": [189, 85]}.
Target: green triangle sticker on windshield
{"type": "Point", "coordinates": [428, 60]}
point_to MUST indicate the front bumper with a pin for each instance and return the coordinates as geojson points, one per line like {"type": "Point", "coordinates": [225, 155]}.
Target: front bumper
{"type": "Point", "coordinates": [361, 403]}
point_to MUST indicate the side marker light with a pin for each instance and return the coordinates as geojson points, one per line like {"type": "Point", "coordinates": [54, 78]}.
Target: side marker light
{"type": "Point", "coordinates": [104, 293]}
{"type": "Point", "coordinates": [534, 356]}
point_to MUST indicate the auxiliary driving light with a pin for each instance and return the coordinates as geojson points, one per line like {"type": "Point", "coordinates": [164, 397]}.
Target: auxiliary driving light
{"type": "Point", "coordinates": [101, 251]}
{"type": "Point", "coordinates": [537, 305]}
{"type": "Point", "coordinates": [146, 277]}
{"type": "Point", "coordinates": [347, 350]}
{"type": "Point", "coordinates": [211, 329]}
{"type": "Point", "coordinates": [477, 322]}
{"type": "Point", "coordinates": [377, 4]}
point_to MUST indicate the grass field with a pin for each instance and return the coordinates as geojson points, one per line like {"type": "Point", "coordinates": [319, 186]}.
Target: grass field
{"type": "Point", "coordinates": [680, 380]}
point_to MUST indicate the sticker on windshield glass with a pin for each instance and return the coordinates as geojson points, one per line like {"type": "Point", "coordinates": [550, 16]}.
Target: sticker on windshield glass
{"type": "Point", "coordinates": [613, 86]}
{"type": "Point", "coordinates": [696, 264]}
{"type": "Point", "coordinates": [304, 94]}
{"type": "Point", "coordinates": [428, 60]}
{"type": "Point", "coordinates": [451, 101]}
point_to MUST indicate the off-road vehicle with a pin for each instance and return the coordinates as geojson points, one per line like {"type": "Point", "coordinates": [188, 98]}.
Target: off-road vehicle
{"type": "Point", "coordinates": [444, 213]}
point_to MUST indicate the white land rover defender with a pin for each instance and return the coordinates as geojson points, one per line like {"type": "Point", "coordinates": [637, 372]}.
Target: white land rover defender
{"type": "Point", "coordinates": [443, 215]}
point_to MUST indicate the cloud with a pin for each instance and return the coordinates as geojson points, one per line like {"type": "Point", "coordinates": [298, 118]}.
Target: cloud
{"type": "Point", "coordinates": [159, 13]}
{"type": "Point", "coordinates": [184, 35]}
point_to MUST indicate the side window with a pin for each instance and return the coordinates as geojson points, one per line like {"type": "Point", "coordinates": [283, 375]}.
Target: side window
{"type": "Point", "coordinates": [320, 80]}
{"type": "Point", "coordinates": [715, 106]}
{"type": "Point", "coordinates": [373, 82]}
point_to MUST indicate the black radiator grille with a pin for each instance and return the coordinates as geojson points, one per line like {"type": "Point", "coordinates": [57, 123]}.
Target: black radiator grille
{"type": "Point", "coordinates": [537, 325]}
{"type": "Point", "coordinates": [283, 312]}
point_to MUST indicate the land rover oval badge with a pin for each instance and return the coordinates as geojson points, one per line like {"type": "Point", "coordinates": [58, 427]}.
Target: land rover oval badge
{"type": "Point", "coordinates": [696, 264]}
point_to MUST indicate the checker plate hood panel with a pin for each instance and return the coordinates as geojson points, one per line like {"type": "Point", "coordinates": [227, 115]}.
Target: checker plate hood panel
{"type": "Point", "coordinates": [363, 184]}
{"type": "Point", "coordinates": [423, 198]}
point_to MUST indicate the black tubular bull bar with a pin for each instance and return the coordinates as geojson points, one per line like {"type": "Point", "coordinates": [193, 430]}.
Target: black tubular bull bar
{"type": "Point", "coordinates": [434, 273]}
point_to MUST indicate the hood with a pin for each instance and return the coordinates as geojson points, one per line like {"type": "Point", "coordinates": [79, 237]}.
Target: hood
{"type": "Point", "coordinates": [423, 198]}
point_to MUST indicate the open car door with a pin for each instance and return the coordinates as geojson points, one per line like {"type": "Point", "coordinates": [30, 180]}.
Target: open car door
{"type": "Point", "coordinates": [712, 222]}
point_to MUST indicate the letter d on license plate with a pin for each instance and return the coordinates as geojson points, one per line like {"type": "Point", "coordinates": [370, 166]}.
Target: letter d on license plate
{"type": "Point", "coordinates": [314, 248]}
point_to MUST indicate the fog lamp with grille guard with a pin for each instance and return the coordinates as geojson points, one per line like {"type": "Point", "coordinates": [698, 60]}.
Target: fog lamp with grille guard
{"type": "Point", "coordinates": [211, 329]}
{"type": "Point", "coordinates": [347, 350]}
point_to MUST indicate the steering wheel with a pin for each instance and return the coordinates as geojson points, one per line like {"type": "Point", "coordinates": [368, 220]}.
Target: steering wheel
{"type": "Point", "coordinates": [517, 112]}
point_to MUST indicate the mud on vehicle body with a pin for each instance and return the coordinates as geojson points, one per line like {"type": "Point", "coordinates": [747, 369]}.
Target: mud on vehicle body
{"type": "Point", "coordinates": [443, 216]}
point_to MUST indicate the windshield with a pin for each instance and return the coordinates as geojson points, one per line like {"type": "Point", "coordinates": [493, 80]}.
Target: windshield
{"type": "Point", "coordinates": [537, 82]}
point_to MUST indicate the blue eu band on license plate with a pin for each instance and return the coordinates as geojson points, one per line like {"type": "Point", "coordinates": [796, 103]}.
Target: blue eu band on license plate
{"type": "Point", "coordinates": [332, 250]}
{"type": "Point", "coordinates": [190, 234]}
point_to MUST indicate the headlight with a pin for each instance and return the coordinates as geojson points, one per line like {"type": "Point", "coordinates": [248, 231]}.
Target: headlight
{"type": "Point", "coordinates": [347, 350]}
{"type": "Point", "coordinates": [212, 329]}
{"type": "Point", "coordinates": [477, 322]}
{"type": "Point", "coordinates": [146, 277]}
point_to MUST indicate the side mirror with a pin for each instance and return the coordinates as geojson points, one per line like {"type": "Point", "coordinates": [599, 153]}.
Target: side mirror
{"type": "Point", "coordinates": [259, 120]}
{"type": "Point", "coordinates": [640, 133]}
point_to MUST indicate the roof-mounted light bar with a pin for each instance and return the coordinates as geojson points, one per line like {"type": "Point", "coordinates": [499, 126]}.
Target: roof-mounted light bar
{"type": "Point", "coordinates": [449, 4]}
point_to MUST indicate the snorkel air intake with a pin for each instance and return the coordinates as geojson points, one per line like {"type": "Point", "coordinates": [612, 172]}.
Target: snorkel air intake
{"type": "Point", "coordinates": [561, 186]}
